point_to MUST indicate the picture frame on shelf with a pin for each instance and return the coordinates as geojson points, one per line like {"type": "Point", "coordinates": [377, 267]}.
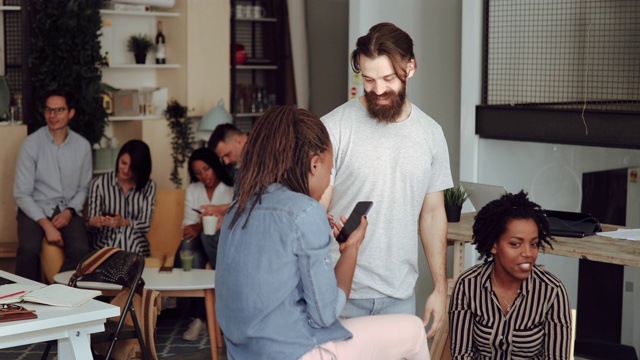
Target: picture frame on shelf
{"type": "Point", "coordinates": [126, 102]}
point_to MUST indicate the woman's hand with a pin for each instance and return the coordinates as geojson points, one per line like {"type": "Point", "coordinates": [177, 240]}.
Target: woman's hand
{"type": "Point", "coordinates": [192, 231]}
{"type": "Point", "coordinates": [215, 210]}
{"type": "Point", "coordinates": [114, 221]}
{"type": "Point", "coordinates": [346, 265]}
{"type": "Point", "coordinates": [356, 237]}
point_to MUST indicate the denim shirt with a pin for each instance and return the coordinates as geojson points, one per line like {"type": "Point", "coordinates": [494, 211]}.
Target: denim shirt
{"type": "Point", "coordinates": [276, 290]}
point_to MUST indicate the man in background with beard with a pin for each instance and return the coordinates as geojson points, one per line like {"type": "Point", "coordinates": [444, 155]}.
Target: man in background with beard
{"type": "Point", "coordinates": [388, 151]}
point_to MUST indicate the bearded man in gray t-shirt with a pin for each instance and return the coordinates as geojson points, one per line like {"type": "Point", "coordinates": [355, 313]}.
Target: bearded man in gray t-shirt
{"type": "Point", "coordinates": [388, 151]}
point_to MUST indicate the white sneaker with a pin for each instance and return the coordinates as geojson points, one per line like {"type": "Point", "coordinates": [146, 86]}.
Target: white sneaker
{"type": "Point", "coordinates": [168, 303]}
{"type": "Point", "coordinates": [196, 327]}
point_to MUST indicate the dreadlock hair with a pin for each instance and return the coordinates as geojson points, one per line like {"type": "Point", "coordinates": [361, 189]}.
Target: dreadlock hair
{"type": "Point", "coordinates": [492, 220]}
{"type": "Point", "coordinates": [279, 150]}
{"type": "Point", "coordinates": [385, 39]}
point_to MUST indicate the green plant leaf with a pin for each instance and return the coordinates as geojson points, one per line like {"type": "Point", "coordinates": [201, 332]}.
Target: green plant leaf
{"type": "Point", "coordinates": [455, 196]}
{"type": "Point", "coordinates": [65, 53]}
{"type": "Point", "coordinates": [182, 138]}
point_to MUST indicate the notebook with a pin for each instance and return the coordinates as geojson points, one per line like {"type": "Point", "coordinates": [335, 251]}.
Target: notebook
{"type": "Point", "coordinates": [482, 194]}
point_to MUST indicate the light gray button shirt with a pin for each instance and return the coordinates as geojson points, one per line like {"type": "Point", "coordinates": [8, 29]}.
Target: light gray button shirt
{"type": "Point", "coordinates": [50, 175]}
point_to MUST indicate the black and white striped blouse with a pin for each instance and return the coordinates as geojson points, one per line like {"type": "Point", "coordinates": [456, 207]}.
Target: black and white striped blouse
{"type": "Point", "coordinates": [136, 206]}
{"type": "Point", "coordinates": [537, 327]}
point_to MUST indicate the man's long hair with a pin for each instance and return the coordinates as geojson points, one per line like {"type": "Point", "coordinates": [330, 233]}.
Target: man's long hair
{"type": "Point", "coordinates": [279, 150]}
{"type": "Point", "coordinates": [385, 39]}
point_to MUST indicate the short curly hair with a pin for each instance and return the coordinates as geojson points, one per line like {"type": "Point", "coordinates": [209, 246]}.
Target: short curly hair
{"type": "Point", "coordinates": [492, 220]}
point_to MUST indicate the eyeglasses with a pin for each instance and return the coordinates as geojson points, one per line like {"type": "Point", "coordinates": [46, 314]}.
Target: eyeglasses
{"type": "Point", "coordinates": [57, 111]}
{"type": "Point", "coordinates": [7, 309]}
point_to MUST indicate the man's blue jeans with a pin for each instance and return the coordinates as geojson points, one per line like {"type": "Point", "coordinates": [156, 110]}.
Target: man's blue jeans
{"type": "Point", "coordinates": [378, 306]}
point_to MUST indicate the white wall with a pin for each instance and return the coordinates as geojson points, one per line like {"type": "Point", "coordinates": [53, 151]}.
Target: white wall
{"type": "Point", "coordinates": [435, 27]}
{"type": "Point", "coordinates": [551, 173]}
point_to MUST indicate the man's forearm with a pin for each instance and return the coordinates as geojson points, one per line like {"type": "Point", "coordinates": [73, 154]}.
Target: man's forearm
{"type": "Point", "coordinates": [435, 250]}
{"type": "Point", "coordinates": [433, 235]}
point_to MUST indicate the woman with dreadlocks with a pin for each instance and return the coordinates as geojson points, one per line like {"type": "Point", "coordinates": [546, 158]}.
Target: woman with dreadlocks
{"type": "Point", "coordinates": [278, 294]}
{"type": "Point", "coordinates": [508, 308]}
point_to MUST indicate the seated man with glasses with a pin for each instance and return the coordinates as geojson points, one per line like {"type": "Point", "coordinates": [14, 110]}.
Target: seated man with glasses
{"type": "Point", "coordinates": [53, 172]}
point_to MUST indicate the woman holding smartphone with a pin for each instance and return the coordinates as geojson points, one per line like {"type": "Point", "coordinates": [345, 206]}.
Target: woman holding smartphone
{"type": "Point", "coordinates": [121, 202]}
{"type": "Point", "coordinates": [210, 185]}
{"type": "Point", "coordinates": [278, 293]}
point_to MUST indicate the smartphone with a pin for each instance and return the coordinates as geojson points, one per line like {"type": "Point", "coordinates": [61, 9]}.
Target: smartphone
{"type": "Point", "coordinates": [361, 208]}
{"type": "Point", "coordinates": [165, 269]}
{"type": "Point", "coordinates": [106, 213]}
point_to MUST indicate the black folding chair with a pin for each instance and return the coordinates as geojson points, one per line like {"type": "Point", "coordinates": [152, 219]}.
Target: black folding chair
{"type": "Point", "coordinates": [114, 266]}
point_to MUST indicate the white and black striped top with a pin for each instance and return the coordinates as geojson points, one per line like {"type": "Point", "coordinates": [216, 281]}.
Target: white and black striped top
{"type": "Point", "coordinates": [136, 206]}
{"type": "Point", "coordinates": [537, 327]}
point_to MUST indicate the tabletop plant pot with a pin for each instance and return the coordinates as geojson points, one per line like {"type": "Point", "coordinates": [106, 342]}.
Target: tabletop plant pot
{"type": "Point", "coordinates": [140, 45]}
{"type": "Point", "coordinates": [453, 199]}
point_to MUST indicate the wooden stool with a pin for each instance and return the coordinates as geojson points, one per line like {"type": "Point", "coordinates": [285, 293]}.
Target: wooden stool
{"type": "Point", "coordinates": [51, 259]}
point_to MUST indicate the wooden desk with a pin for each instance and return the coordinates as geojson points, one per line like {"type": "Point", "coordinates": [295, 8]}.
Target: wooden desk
{"type": "Point", "coordinates": [71, 327]}
{"type": "Point", "coordinates": [594, 247]}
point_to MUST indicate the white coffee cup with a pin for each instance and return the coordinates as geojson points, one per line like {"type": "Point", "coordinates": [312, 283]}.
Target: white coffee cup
{"type": "Point", "coordinates": [242, 11]}
{"type": "Point", "coordinates": [258, 11]}
{"type": "Point", "coordinates": [209, 224]}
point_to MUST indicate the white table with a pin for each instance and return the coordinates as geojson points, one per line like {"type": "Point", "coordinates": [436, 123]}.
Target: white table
{"type": "Point", "coordinates": [71, 327]}
{"type": "Point", "coordinates": [178, 283]}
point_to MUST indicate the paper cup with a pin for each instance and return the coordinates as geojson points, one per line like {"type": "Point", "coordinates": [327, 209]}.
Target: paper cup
{"type": "Point", "coordinates": [209, 224]}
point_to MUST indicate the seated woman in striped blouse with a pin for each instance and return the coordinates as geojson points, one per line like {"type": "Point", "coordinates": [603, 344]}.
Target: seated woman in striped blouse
{"type": "Point", "coordinates": [508, 308]}
{"type": "Point", "coordinates": [121, 201]}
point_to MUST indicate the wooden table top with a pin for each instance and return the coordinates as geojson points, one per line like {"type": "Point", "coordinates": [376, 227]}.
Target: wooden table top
{"type": "Point", "coordinates": [594, 247]}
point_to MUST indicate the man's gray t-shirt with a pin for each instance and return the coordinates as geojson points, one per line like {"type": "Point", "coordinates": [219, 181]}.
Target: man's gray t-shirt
{"type": "Point", "coordinates": [394, 165]}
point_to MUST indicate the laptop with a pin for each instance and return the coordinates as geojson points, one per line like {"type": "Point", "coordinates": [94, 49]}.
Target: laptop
{"type": "Point", "coordinates": [482, 194]}
{"type": "Point", "coordinates": [571, 224]}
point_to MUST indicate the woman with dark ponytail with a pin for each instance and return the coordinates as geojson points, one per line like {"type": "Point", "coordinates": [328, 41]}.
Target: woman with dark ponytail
{"type": "Point", "coordinates": [278, 294]}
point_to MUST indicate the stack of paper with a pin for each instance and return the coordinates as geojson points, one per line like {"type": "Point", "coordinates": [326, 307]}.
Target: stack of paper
{"type": "Point", "coordinates": [627, 234]}
{"type": "Point", "coordinates": [55, 295]}
{"type": "Point", "coordinates": [61, 295]}
{"type": "Point", "coordinates": [13, 293]}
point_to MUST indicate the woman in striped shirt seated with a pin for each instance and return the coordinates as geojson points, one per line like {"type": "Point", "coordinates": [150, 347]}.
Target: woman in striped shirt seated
{"type": "Point", "coordinates": [121, 201]}
{"type": "Point", "coordinates": [507, 307]}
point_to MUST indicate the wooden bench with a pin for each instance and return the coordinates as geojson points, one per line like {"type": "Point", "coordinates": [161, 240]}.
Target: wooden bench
{"type": "Point", "coordinates": [165, 233]}
{"type": "Point", "coordinates": [8, 250]}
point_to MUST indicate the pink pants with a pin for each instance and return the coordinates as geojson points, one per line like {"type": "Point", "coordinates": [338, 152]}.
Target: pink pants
{"type": "Point", "coordinates": [384, 337]}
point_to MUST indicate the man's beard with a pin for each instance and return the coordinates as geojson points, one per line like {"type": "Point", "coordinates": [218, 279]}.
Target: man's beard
{"type": "Point", "coordinates": [386, 113]}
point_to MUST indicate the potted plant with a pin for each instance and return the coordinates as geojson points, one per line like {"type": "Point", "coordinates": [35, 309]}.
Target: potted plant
{"type": "Point", "coordinates": [140, 45]}
{"type": "Point", "coordinates": [182, 138]}
{"type": "Point", "coordinates": [453, 199]}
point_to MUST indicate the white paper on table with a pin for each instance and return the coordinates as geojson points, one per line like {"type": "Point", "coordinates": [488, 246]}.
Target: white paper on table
{"type": "Point", "coordinates": [627, 234]}
{"type": "Point", "coordinates": [19, 290]}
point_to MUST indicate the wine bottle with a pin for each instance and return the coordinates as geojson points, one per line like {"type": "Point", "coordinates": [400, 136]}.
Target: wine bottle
{"type": "Point", "coordinates": [160, 44]}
